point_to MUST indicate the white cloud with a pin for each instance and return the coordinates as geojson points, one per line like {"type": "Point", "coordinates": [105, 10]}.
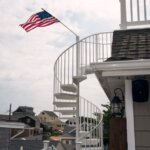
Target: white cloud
{"type": "Point", "coordinates": [27, 59]}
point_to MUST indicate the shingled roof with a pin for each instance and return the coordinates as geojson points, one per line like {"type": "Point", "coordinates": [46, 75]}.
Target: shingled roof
{"type": "Point", "coordinates": [25, 109]}
{"type": "Point", "coordinates": [131, 44]}
{"type": "Point", "coordinates": [50, 113]}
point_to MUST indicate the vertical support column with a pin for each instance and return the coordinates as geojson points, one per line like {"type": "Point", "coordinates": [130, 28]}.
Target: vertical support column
{"type": "Point", "coordinates": [78, 147]}
{"type": "Point", "coordinates": [96, 39]}
{"type": "Point", "coordinates": [101, 135]}
{"type": "Point", "coordinates": [129, 115]}
{"type": "Point", "coordinates": [123, 24]}
{"type": "Point", "coordinates": [77, 56]}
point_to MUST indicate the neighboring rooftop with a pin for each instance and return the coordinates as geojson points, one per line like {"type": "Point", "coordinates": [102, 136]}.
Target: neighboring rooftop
{"type": "Point", "coordinates": [29, 144]}
{"type": "Point", "coordinates": [22, 110]}
{"type": "Point", "coordinates": [11, 125]}
{"type": "Point", "coordinates": [7, 118]}
{"type": "Point", "coordinates": [50, 113]}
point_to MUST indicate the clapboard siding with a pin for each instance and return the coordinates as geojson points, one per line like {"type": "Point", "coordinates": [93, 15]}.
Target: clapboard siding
{"type": "Point", "coordinates": [142, 125]}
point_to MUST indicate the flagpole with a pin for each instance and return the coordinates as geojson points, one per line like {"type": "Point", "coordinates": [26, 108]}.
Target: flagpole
{"type": "Point", "coordinates": [78, 143]}
{"type": "Point", "coordinates": [63, 24]}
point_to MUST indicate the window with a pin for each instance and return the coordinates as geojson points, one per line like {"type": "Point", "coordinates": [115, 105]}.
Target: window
{"type": "Point", "coordinates": [28, 120]}
{"type": "Point", "coordinates": [44, 118]}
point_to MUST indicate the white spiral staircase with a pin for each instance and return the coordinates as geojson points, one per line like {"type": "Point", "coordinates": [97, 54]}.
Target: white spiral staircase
{"type": "Point", "coordinates": [70, 68]}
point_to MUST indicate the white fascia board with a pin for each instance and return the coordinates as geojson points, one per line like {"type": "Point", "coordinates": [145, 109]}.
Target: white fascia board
{"type": "Point", "coordinates": [12, 125]}
{"type": "Point", "coordinates": [123, 68]}
{"type": "Point", "coordinates": [126, 72]}
{"type": "Point", "coordinates": [135, 23]}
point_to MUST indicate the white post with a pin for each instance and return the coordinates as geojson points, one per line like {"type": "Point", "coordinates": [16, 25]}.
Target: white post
{"type": "Point", "coordinates": [77, 56]}
{"type": "Point", "coordinates": [21, 147]}
{"type": "Point", "coordinates": [101, 126]}
{"type": "Point", "coordinates": [123, 24]}
{"type": "Point", "coordinates": [46, 145]}
{"type": "Point", "coordinates": [78, 147]}
{"type": "Point", "coordinates": [129, 115]}
{"type": "Point", "coordinates": [96, 40]}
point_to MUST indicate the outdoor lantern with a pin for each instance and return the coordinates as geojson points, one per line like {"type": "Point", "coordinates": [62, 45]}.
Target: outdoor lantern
{"type": "Point", "coordinates": [116, 105]}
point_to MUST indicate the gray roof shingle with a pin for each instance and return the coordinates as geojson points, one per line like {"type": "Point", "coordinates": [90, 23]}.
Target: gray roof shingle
{"type": "Point", "coordinates": [50, 113]}
{"type": "Point", "coordinates": [131, 44]}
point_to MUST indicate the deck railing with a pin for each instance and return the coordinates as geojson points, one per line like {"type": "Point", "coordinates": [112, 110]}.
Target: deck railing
{"type": "Point", "coordinates": [93, 49]}
{"type": "Point", "coordinates": [134, 13]}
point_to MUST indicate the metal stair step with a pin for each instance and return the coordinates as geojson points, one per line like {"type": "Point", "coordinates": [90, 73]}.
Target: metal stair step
{"type": "Point", "coordinates": [65, 104]}
{"type": "Point", "coordinates": [87, 70]}
{"type": "Point", "coordinates": [66, 96]}
{"type": "Point", "coordinates": [83, 133]}
{"type": "Point", "coordinates": [66, 112]}
{"type": "Point", "coordinates": [69, 87]}
{"type": "Point", "coordinates": [77, 79]}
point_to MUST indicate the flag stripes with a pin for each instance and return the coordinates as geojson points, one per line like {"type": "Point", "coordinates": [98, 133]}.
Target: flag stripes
{"type": "Point", "coordinates": [41, 19]}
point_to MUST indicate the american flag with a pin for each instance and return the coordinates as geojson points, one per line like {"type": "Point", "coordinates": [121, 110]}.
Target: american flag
{"type": "Point", "coordinates": [41, 19]}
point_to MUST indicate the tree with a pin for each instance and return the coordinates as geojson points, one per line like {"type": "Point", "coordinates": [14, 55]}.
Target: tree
{"type": "Point", "coordinates": [106, 118]}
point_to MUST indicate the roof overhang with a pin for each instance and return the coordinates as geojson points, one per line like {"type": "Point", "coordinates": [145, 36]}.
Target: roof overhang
{"type": "Point", "coordinates": [123, 68]}
{"type": "Point", "coordinates": [12, 125]}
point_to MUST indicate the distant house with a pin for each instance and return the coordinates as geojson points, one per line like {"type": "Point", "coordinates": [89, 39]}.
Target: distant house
{"type": "Point", "coordinates": [47, 116]}
{"type": "Point", "coordinates": [22, 111]}
{"type": "Point", "coordinates": [6, 132]}
{"type": "Point", "coordinates": [51, 119]}
{"type": "Point", "coordinates": [31, 121]}
{"type": "Point", "coordinates": [68, 138]}
{"type": "Point", "coordinates": [26, 115]}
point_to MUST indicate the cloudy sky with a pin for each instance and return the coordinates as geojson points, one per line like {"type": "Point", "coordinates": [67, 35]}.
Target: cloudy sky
{"type": "Point", "coordinates": [27, 59]}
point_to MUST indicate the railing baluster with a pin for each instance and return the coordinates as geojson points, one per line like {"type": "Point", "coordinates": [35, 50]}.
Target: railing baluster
{"type": "Point", "coordinates": [68, 66]}
{"type": "Point", "coordinates": [145, 11]}
{"type": "Point", "coordinates": [86, 56]}
{"type": "Point", "coordinates": [64, 67]}
{"type": "Point", "coordinates": [131, 10]}
{"type": "Point", "coordinates": [93, 47]}
{"type": "Point", "coordinates": [61, 69]}
{"type": "Point", "coordinates": [96, 41]}
{"type": "Point", "coordinates": [138, 10]}
{"type": "Point", "coordinates": [89, 51]}
{"type": "Point", "coordinates": [81, 57]}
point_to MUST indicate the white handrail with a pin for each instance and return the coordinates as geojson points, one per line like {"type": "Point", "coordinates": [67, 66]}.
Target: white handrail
{"type": "Point", "coordinates": [92, 49]}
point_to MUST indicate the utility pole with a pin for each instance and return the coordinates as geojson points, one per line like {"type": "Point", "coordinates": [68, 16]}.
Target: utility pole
{"type": "Point", "coordinates": [10, 111]}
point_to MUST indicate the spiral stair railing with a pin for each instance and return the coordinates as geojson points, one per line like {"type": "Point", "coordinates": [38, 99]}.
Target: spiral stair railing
{"type": "Point", "coordinates": [92, 49]}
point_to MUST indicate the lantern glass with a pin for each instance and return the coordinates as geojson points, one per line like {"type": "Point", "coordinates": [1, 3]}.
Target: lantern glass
{"type": "Point", "coordinates": [116, 106]}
